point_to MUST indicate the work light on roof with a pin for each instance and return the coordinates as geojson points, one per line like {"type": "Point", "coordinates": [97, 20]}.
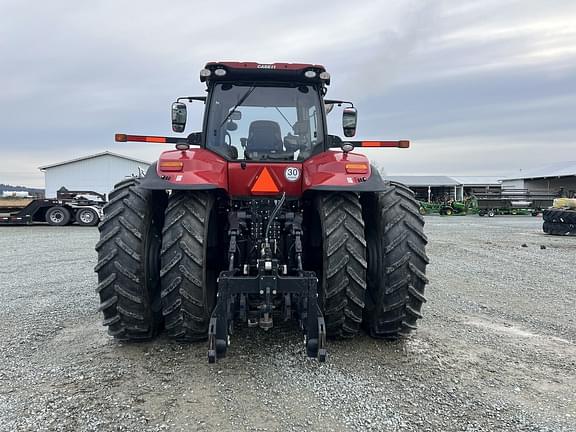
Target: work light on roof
{"type": "Point", "coordinates": [325, 76]}
{"type": "Point", "coordinates": [220, 72]}
{"type": "Point", "coordinates": [205, 73]}
{"type": "Point", "coordinates": [310, 74]}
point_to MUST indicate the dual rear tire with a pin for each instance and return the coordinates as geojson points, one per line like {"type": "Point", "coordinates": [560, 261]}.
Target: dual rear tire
{"type": "Point", "coordinates": [151, 263]}
{"type": "Point", "coordinates": [338, 234]}
{"type": "Point", "coordinates": [128, 261]}
{"type": "Point", "coordinates": [189, 265]}
{"type": "Point", "coordinates": [374, 262]}
{"type": "Point", "coordinates": [397, 262]}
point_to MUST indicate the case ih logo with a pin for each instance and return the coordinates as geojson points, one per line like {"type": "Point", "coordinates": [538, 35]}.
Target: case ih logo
{"type": "Point", "coordinates": [266, 66]}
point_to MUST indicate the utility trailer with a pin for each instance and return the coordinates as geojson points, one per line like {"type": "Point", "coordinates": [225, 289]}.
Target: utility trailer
{"type": "Point", "coordinates": [514, 202]}
{"type": "Point", "coordinates": [82, 207]}
{"type": "Point", "coordinates": [450, 208]}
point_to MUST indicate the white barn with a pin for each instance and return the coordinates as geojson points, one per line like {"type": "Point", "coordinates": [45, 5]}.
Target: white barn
{"type": "Point", "coordinates": [98, 172]}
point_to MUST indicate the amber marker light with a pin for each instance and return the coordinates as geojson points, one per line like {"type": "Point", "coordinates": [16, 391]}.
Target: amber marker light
{"type": "Point", "coordinates": [356, 168]}
{"type": "Point", "coordinates": [399, 144]}
{"type": "Point", "coordinates": [143, 138]}
{"type": "Point", "coordinates": [171, 165]}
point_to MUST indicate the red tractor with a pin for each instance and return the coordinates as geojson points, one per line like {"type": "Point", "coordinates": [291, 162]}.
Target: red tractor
{"type": "Point", "coordinates": [261, 216]}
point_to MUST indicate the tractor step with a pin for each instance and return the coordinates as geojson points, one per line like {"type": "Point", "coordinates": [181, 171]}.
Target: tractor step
{"type": "Point", "coordinates": [300, 297]}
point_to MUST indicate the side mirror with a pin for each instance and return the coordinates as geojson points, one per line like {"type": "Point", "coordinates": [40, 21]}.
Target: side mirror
{"type": "Point", "coordinates": [231, 126]}
{"type": "Point", "coordinates": [178, 116]}
{"type": "Point", "coordinates": [195, 138]}
{"type": "Point", "coordinates": [235, 115]}
{"type": "Point", "coordinates": [349, 120]}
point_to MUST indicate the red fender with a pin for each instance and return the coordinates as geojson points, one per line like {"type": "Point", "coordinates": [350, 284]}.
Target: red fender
{"type": "Point", "coordinates": [189, 169]}
{"type": "Point", "coordinates": [339, 171]}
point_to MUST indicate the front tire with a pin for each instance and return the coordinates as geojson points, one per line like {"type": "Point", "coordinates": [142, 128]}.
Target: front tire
{"type": "Point", "coordinates": [396, 262]}
{"type": "Point", "coordinates": [189, 265]}
{"type": "Point", "coordinates": [129, 261]}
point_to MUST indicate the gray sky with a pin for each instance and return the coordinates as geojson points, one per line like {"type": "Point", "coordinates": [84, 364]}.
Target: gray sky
{"type": "Point", "coordinates": [480, 87]}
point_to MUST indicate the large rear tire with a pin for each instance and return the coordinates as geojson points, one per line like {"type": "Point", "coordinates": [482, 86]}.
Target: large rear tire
{"type": "Point", "coordinates": [559, 216]}
{"type": "Point", "coordinates": [189, 265]}
{"type": "Point", "coordinates": [558, 228]}
{"type": "Point", "coordinates": [129, 261]}
{"type": "Point", "coordinates": [341, 268]}
{"type": "Point", "coordinates": [396, 262]}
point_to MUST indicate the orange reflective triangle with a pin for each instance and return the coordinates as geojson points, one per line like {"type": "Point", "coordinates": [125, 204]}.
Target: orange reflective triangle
{"type": "Point", "coordinates": [265, 183]}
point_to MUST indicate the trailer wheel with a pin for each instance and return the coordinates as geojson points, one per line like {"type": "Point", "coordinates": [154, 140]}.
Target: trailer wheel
{"type": "Point", "coordinates": [491, 213]}
{"type": "Point", "coordinates": [396, 262]}
{"type": "Point", "coordinates": [448, 212]}
{"type": "Point", "coordinates": [422, 211]}
{"type": "Point", "coordinates": [558, 228]}
{"type": "Point", "coordinates": [481, 213]}
{"type": "Point", "coordinates": [58, 216]}
{"type": "Point", "coordinates": [129, 261]}
{"type": "Point", "coordinates": [87, 217]}
{"type": "Point", "coordinates": [340, 261]}
{"type": "Point", "coordinates": [189, 268]}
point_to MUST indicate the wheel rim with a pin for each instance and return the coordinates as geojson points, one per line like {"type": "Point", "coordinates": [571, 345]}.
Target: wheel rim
{"type": "Point", "coordinates": [87, 216]}
{"type": "Point", "coordinates": [57, 216]}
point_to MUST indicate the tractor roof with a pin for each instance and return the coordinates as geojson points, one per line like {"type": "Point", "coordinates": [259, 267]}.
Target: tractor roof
{"type": "Point", "coordinates": [251, 71]}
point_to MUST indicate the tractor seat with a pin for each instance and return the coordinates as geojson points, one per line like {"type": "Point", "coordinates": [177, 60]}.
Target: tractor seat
{"type": "Point", "coordinates": [264, 136]}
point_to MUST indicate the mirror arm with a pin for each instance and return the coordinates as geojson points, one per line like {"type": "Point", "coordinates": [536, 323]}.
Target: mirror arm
{"type": "Point", "coordinates": [192, 98]}
{"type": "Point", "coordinates": [338, 102]}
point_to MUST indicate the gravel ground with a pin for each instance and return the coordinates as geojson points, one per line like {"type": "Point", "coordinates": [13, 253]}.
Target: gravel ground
{"type": "Point", "coordinates": [495, 352]}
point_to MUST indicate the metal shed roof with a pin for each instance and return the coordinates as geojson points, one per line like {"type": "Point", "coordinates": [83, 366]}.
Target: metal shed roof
{"type": "Point", "coordinates": [559, 169]}
{"type": "Point", "coordinates": [106, 153]}
{"type": "Point", "coordinates": [424, 181]}
{"type": "Point", "coordinates": [478, 180]}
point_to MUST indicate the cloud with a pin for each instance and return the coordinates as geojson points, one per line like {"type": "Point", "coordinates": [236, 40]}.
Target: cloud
{"type": "Point", "coordinates": [449, 74]}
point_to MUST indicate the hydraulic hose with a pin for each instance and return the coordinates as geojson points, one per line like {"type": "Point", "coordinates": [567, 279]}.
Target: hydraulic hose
{"type": "Point", "coordinates": [273, 215]}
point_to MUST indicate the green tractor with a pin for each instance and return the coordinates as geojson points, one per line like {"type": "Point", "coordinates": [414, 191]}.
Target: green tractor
{"type": "Point", "coordinates": [450, 207]}
{"type": "Point", "coordinates": [460, 208]}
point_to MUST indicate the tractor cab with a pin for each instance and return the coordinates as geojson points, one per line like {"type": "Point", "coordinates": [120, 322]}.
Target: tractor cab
{"type": "Point", "coordinates": [253, 122]}
{"type": "Point", "coordinates": [263, 112]}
